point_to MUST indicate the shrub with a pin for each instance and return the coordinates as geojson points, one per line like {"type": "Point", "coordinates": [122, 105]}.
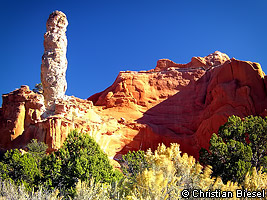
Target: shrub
{"type": "Point", "coordinates": [80, 158]}
{"type": "Point", "coordinates": [38, 88]}
{"type": "Point", "coordinates": [255, 180]}
{"type": "Point", "coordinates": [133, 163]}
{"type": "Point", "coordinates": [239, 146]}
{"type": "Point", "coordinates": [171, 172]}
{"type": "Point", "coordinates": [20, 168]}
{"type": "Point", "coordinates": [10, 191]}
{"type": "Point", "coordinates": [37, 150]}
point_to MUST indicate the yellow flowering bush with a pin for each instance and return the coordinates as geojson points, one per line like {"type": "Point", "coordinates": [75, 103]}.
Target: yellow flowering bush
{"type": "Point", "coordinates": [171, 172]}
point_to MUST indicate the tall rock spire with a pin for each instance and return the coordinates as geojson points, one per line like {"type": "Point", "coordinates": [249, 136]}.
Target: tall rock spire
{"type": "Point", "coordinates": [54, 61]}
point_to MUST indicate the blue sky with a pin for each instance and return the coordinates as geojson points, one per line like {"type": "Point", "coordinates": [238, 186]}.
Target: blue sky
{"type": "Point", "coordinates": [105, 37]}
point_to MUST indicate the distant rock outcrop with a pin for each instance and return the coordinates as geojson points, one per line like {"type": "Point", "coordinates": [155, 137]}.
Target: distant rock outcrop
{"type": "Point", "coordinates": [54, 61]}
{"type": "Point", "coordinates": [212, 60]}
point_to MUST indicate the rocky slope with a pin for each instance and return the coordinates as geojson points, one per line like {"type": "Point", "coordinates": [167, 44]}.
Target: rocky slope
{"type": "Point", "coordinates": [183, 103]}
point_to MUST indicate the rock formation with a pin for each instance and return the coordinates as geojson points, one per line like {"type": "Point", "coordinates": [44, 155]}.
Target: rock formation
{"type": "Point", "coordinates": [54, 61]}
{"type": "Point", "coordinates": [212, 60]}
{"type": "Point", "coordinates": [183, 103]}
{"type": "Point", "coordinates": [21, 120]}
{"type": "Point", "coordinates": [148, 88]}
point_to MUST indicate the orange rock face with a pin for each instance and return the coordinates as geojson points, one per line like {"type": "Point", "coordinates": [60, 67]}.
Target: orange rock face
{"type": "Point", "coordinates": [186, 103]}
{"type": "Point", "coordinates": [22, 119]}
{"type": "Point", "coordinates": [191, 115]}
{"type": "Point", "coordinates": [182, 103]}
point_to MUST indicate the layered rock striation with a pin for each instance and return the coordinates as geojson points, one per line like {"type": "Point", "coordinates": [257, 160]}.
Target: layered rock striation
{"type": "Point", "coordinates": [54, 61]}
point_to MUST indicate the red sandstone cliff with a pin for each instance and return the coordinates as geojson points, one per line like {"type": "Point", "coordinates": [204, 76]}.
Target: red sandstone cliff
{"type": "Point", "coordinates": [183, 103]}
{"type": "Point", "coordinates": [186, 103]}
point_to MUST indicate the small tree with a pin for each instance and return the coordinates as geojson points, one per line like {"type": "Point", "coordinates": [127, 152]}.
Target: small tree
{"type": "Point", "coordinates": [239, 146]}
{"type": "Point", "coordinates": [37, 149]}
{"type": "Point", "coordinates": [80, 158]}
{"type": "Point", "coordinates": [38, 88]}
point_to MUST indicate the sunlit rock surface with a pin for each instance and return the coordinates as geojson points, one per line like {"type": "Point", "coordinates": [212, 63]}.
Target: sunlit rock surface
{"type": "Point", "coordinates": [54, 61]}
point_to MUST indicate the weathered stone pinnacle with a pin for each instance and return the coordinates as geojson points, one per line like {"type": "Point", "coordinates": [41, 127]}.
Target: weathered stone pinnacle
{"type": "Point", "coordinates": [54, 61]}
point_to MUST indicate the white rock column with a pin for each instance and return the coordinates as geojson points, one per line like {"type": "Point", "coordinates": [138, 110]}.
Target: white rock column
{"type": "Point", "coordinates": [54, 61]}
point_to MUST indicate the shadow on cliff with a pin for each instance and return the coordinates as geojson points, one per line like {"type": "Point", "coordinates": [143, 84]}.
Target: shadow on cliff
{"type": "Point", "coordinates": [32, 131]}
{"type": "Point", "coordinates": [174, 120]}
{"type": "Point", "coordinates": [195, 112]}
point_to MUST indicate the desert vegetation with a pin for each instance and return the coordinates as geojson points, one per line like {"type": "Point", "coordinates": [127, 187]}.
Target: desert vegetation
{"type": "Point", "coordinates": [239, 146]}
{"type": "Point", "coordinates": [236, 159]}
